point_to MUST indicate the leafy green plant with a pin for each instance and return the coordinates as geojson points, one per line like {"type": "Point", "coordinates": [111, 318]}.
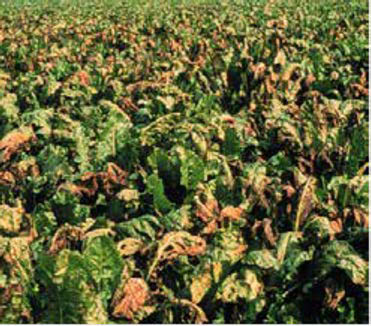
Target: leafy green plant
{"type": "Point", "coordinates": [173, 161]}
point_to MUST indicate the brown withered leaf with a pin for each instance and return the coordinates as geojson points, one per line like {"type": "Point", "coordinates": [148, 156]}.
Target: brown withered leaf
{"type": "Point", "coordinates": [229, 119]}
{"type": "Point", "coordinates": [125, 276]}
{"type": "Point", "coordinates": [258, 70]}
{"type": "Point", "coordinates": [361, 217]}
{"type": "Point", "coordinates": [238, 250]}
{"type": "Point", "coordinates": [181, 243]}
{"type": "Point", "coordinates": [333, 294]}
{"type": "Point", "coordinates": [135, 295]}
{"type": "Point", "coordinates": [177, 243]}
{"type": "Point", "coordinates": [76, 190]}
{"type": "Point", "coordinates": [306, 202]}
{"type": "Point", "coordinates": [18, 256]}
{"type": "Point", "coordinates": [310, 80]}
{"type": "Point", "coordinates": [14, 141]}
{"type": "Point", "coordinates": [63, 236]}
{"type": "Point", "coordinates": [129, 246]}
{"type": "Point", "coordinates": [113, 175]}
{"type": "Point", "coordinates": [268, 232]}
{"type": "Point", "coordinates": [277, 23]}
{"type": "Point", "coordinates": [287, 73]}
{"type": "Point", "coordinates": [360, 89]}
{"type": "Point", "coordinates": [6, 178]}
{"type": "Point", "coordinates": [27, 167]}
{"type": "Point", "coordinates": [211, 227]}
{"type": "Point", "coordinates": [98, 233]}
{"type": "Point", "coordinates": [200, 316]}
{"type": "Point", "coordinates": [92, 178]}
{"type": "Point", "coordinates": [232, 213]}
{"type": "Point", "coordinates": [83, 77]}
{"type": "Point", "coordinates": [336, 225]}
{"type": "Point", "coordinates": [290, 190]}
{"type": "Point", "coordinates": [256, 226]}
{"type": "Point", "coordinates": [207, 211]}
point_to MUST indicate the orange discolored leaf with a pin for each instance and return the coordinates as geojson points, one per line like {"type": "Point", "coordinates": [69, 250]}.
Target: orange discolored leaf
{"type": "Point", "coordinates": [232, 213]}
{"type": "Point", "coordinates": [175, 244]}
{"type": "Point", "coordinates": [290, 190]}
{"type": "Point", "coordinates": [63, 236]}
{"type": "Point", "coordinates": [333, 294]}
{"type": "Point", "coordinates": [14, 141]}
{"type": "Point", "coordinates": [6, 178]}
{"type": "Point", "coordinates": [208, 210]}
{"type": "Point", "coordinates": [337, 225]}
{"type": "Point", "coordinates": [84, 78]}
{"type": "Point", "coordinates": [310, 80]}
{"type": "Point", "coordinates": [268, 232]}
{"type": "Point", "coordinates": [361, 217]}
{"type": "Point", "coordinates": [135, 295]}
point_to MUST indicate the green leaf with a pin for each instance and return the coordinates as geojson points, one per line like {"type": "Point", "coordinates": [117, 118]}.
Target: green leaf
{"type": "Point", "coordinates": [261, 258]}
{"type": "Point", "coordinates": [232, 144]}
{"type": "Point", "coordinates": [156, 188]}
{"type": "Point", "coordinates": [192, 168]}
{"type": "Point", "coordinates": [104, 264]}
{"type": "Point", "coordinates": [144, 227]}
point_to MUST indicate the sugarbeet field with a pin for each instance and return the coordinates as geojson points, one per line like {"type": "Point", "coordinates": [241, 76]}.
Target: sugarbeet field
{"type": "Point", "coordinates": [184, 161]}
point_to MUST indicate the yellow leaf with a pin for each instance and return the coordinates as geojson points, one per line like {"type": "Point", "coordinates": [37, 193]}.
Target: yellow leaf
{"type": "Point", "coordinates": [129, 246]}
{"type": "Point", "coordinates": [11, 218]}
{"type": "Point", "coordinates": [200, 286]}
{"type": "Point", "coordinates": [128, 195]}
{"type": "Point", "coordinates": [280, 58]}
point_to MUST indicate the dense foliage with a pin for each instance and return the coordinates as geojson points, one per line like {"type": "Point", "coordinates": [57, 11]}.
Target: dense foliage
{"type": "Point", "coordinates": [168, 162]}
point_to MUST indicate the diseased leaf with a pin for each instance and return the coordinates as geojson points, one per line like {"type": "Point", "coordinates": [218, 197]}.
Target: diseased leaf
{"type": "Point", "coordinates": [305, 203]}
{"type": "Point", "coordinates": [174, 244]}
{"type": "Point", "coordinates": [179, 162]}
{"type": "Point", "coordinates": [200, 285]}
{"type": "Point", "coordinates": [234, 288]}
{"type": "Point", "coordinates": [135, 295]}
{"type": "Point", "coordinates": [11, 218]}
{"type": "Point", "coordinates": [192, 169]}
{"type": "Point", "coordinates": [261, 258]}
{"type": "Point", "coordinates": [14, 141]}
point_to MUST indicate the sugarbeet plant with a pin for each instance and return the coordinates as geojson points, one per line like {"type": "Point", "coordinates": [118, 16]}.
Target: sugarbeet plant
{"type": "Point", "coordinates": [184, 161]}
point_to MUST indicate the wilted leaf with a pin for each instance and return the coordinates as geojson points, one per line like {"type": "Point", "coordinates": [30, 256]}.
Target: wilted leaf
{"type": "Point", "coordinates": [129, 246]}
{"type": "Point", "coordinates": [174, 244]}
{"type": "Point", "coordinates": [232, 213]}
{"type": "Point", "coordinates": [135, 295]}
{"type": "Point", "coordinates": [334, 294]}
{"type": "Point", "coordinates": [305, 203]}
{"type": "Point", "coordinates": [15, 140]}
